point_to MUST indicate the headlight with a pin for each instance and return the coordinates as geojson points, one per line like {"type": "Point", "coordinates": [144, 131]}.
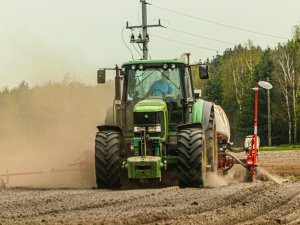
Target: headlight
{"type": "Point", "coordinates": [154, 129]}
{"type": "Point", "coordinates": [138, 129]}
{"type": "Point", "coordinates": [141, 67]}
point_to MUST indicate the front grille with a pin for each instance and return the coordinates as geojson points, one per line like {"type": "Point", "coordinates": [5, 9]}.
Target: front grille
{"type": "Point", "coordinates": [148, 118]}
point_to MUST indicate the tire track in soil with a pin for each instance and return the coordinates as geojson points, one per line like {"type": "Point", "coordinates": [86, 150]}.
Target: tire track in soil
{"type": "Point", "coordinates": [223, 205]}
{"type": "Point", "coordinates": [247, 212]}
{"type": "Point", "coordinates": [26, 195]}
{"type": "Point", "coordinates": [206, 206]}
{"type": "Point", "coordinates": [288, 212]}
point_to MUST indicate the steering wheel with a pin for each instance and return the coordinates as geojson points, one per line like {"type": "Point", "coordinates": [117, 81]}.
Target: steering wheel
{"type": "Point", "coordinates": [151, 92]}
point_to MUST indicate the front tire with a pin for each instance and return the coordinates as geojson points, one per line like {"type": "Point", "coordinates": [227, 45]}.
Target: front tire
{"type": "Point", "coordinates": [191, 157]}
{"type": "Point", "coordinates": [107, 159]}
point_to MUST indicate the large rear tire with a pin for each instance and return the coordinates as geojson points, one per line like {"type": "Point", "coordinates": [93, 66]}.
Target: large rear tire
{"type": "Point", "coordinates": [191, 157]}
{"type": "Point", "coordinates": [211, 145]}
{"type": "Point", "coordinates": [107, 159]}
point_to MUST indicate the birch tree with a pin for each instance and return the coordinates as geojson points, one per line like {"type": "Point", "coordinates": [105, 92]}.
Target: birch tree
{"type": "Point", "coordinates": [289, 82]}
{"type": "Point", "coordinates": [284, 80]}
{"type": "Point", "coordinates": [239, 69]}
{"type": "Point", "coordinates": [296, 47]}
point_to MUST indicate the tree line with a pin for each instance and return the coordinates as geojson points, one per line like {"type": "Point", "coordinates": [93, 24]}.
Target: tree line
{"type": "Point", "coordinates": [235, 72]}
{"type": "Point", "coordinates": [232, 75]}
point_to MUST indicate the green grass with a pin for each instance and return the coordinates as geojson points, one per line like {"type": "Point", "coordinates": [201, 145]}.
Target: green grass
{"type": "Point", "coordinates": [292, 177]}
{"type": "Point", "coordinates": [280, 148]}
{"type": "Point", "coordinates": [297, 177]}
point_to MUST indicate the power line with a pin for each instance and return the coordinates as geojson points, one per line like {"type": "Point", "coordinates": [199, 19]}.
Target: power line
{"type": "Point", "coordinates": [220, 24]}
{"type": "Point", "coordinates": [122, 33]}
{"type": "Point", "coordinates": [184, 43]}
{"type": "Point", "coordinates": [198, 35]}
{"type": "Point", "coordinates": [137, 51]}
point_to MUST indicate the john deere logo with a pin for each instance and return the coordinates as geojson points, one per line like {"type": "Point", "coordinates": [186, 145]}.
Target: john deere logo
{"type": "Point", "coordinates": [146, 116]}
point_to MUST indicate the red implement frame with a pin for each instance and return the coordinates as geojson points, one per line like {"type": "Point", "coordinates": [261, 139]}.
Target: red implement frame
{"type": "Point", "coordinates": [227, 160]}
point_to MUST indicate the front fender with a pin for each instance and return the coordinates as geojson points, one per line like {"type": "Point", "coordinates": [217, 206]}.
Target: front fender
{"type": "Point", "coordinates": [109, 127]}
{"type": "Point", "coordinates": [191, 125]}
{"type": "Point", "coordinates": [201, 112]}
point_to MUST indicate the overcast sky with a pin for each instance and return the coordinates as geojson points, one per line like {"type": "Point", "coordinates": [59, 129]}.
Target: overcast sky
{"type": "Point", "coordinates": [43, 40]}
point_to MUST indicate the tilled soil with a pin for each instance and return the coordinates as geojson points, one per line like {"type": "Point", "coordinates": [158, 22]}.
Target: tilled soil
{"type": "Point", "coordinates": [261, 202]}
{"type": "Point", "coordinates": [283, 163]}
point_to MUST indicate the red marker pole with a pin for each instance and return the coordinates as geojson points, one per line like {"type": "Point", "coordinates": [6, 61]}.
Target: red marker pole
{"type": "Point", "coordinates": [255, 124]}
{"type": "Point", "coordinates": [252, 160]}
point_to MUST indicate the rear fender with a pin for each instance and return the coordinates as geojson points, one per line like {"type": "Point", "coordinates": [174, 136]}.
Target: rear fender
{"type": "Point", "coordinates": [201, 112]}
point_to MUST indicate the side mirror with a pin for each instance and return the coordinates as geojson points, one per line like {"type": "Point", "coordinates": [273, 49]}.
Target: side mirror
{"type": "Point", "coordinates": [200, 71]}
{"type": "Point", "coordinates": [101, 76]}
{"type": "Point", "coordinates": [203, 71]}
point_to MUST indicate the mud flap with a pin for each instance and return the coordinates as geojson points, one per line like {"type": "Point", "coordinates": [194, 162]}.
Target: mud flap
{"type": "Point", "coordinates": [207, 108]}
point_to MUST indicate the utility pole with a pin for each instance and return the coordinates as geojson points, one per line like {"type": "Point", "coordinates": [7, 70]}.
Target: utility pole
{"type": "Point", "coordinates": [269, 116]}
{"type": "Point", "coordinates": [144, 38]}
{"type": "Point", "coordinates": [144, 25]}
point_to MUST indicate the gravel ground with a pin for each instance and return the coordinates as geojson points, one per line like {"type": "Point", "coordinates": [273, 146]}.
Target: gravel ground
{"type": "Point", "coordinates": [261, 202]}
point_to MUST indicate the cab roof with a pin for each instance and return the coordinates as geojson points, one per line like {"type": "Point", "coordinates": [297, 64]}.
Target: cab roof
{"type": "Point", "coordinates": [157, 61]}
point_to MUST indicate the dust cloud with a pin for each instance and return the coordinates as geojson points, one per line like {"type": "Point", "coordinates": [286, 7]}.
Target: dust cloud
{"type": "Point", "coordinates": [237, 174]}
{"type": "Point", "coordinates": [49, 129]}
{"type": "Point", "coordinates": [267, 176]}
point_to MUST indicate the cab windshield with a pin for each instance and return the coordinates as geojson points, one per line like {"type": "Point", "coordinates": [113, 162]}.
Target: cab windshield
{"type": "Point", "coordinates": [154, 82]}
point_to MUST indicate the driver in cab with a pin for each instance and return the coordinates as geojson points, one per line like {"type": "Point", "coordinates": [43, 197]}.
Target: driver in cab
{"type": "Point", "coordinates": [162, 86]}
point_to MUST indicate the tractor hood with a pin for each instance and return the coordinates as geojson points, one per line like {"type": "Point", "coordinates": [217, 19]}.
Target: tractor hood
{"type": "Point", "coordinates": [151, 105]}
{"type": "Point", "coordinates": [152, 111]}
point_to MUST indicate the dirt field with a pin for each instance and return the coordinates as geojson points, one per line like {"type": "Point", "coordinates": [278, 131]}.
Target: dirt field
{"type": "Point", "coordinates": [281, 163]}
{"type": "Point", "coordinates": [261, 202]}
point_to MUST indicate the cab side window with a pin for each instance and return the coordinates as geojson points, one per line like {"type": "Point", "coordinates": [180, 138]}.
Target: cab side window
{"type": "Point", "coordinates": [188, 84]}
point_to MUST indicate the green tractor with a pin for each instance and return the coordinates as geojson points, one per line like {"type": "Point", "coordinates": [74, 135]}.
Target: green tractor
{"type": "Point", "coordinates": [152, 131]}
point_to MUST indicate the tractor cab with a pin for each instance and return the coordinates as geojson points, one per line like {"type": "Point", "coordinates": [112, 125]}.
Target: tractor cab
{"type": "Point", "coordinates": [157, 88]}
{"type": "Point", "coordinates": [151, 82]}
